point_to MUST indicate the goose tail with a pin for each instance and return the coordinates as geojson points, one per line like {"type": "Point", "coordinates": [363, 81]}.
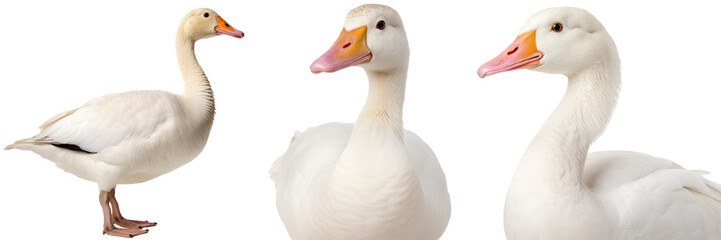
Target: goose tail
{"type": "Point", "coordinates": [24, 143]}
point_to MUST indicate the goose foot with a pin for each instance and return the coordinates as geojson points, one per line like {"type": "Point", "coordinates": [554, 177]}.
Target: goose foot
{"type": "Point", "coordinates": [124, 232]}
{"type": "Point", "coordinates": [133, 224]}
{"type": "Point", "coordinates": [120, 220]}
{"type": "Point", "coordinates": [111, 216]}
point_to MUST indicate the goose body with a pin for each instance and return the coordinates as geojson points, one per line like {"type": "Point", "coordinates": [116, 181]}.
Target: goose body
{"type": "Point", "coordinates": [152, 123]}
{"type": "Point", "coordinates": [132, 137]}
{"type": "Point", "coordinates": [559, 190]}
{"type": "Point", "coordinates": [371, 179]}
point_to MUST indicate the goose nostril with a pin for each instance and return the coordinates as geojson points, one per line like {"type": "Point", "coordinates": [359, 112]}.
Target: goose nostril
{"type": "Point", "coordinates": [512, 51]}
{"type": "Point", "coordinates": [346, 45]}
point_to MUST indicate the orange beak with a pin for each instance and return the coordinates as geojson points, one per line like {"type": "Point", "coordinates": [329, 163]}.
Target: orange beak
{"type": "Point", "coordinates": [225, 28]}
{"type": "Point", "coordinates": [350, 49]}
{"type": "Point", "coordinates": [521, 54]}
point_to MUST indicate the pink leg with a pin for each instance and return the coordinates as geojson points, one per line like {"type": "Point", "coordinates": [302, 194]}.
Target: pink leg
{"type": "Point", "coordinates": [123, 222]}
{"type": "Point", "coordinates": [108, 226]}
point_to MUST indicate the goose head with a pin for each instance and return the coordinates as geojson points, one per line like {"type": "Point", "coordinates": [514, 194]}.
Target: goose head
{"type": "Point", "coordinates": [373, 37]}
{"type": "Point", "coordinates": [556, 40]}
{"type": "Point", "coordinates": [204, 23]}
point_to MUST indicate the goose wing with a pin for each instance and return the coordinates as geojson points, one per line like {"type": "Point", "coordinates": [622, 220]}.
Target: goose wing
{"type": "Point", "coordinates": [109, 120]}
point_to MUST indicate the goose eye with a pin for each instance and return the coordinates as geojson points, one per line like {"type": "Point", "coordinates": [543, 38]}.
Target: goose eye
{"type": "Point", "coordinates": [206, 15]}
{"type": "Point", "coordinates": [381, 25]}
{"type": "Point", "coordinates": [557, 27]}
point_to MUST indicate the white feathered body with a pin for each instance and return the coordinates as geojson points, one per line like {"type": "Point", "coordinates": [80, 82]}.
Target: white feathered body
{"type": "Point", "coordinates": [627, 195]}
{"type": "Point", "coordinates": [559, 191]}
{"type": "Point", "coordinates": [381, 188]}
{"type": "Point", "coordinates": [133, 136]}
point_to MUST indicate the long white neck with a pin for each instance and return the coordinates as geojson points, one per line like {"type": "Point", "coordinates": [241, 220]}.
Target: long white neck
{"type": "Point", "coordinates": [383, 110]}
{"type": "Point", "coordinates": [197, 87]}
{"type": "Point", "coordinates": [374, 167]}
{"type": "Point", "coordinates": [377, 138]}
{"type": "Point", "coordinates": [558, 152]}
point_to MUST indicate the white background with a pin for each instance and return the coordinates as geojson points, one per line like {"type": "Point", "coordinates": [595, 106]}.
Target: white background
{"type": "Point", "coordinates": [56, 55]}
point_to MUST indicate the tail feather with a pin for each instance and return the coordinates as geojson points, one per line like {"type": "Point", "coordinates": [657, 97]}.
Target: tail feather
{"type": "Point", "coordinates": [11, 146]}
{"type": "Point", "coordinates": [33, 141]}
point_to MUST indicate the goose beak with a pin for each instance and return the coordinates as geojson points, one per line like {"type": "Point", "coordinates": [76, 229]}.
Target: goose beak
{"type": "Point", "coordinates": [350, 49]}
{"type": "Point", "coordinates": [521, 54]}
{"type": "Point", "coordinates": [225, 28]}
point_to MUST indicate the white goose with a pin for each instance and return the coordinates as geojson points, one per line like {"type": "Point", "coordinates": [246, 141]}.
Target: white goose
{"type": "Point", "coordinates": [133, 137]}
{"type": "Point", "coordinates": [559, 191]}
{"type": "Point", "coordinates": [371, 180]}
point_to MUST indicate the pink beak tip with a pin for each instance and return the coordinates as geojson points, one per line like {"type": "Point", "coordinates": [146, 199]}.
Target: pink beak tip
{"type": "Point", "coordinates": [317, 66]}
{"type": "Point", "coordinates": [322, 64]}
{"type": "Point", "coordinates": [483, 71]}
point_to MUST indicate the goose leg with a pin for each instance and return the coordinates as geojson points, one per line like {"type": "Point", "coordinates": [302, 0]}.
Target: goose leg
{"type": "Point", "coordinates": [120, 220]}
{"type": "Point", "coordinates": [108, 226]}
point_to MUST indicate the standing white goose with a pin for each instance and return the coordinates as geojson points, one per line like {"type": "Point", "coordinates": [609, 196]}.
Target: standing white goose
{"type": "Point", "coordinates": [371, 180]}
{"type": "Point", "coordinates": [559, 191]}
{"type": "Point", "coordinates": [133, 137]}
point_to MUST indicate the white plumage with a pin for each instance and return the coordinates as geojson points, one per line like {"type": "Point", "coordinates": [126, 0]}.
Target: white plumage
{"type": "Point", "coordinates": [133, 137]}
{"type": "Point", "coordinates": [151, 123]}
{"type": "Point", "coordinates": [559, 191]}
{"type": "Point", "coordinates": [371, 179]}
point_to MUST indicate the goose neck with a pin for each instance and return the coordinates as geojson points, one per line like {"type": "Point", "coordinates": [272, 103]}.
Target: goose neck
{"type": "Point", "coordinates": [197, 86]}
{"type": "Point", "coordinates": [560, 148]}
{"type": "Point", "coordinates": [374, 177]}
{"type": "Point", "coordinates": [384, 106]}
